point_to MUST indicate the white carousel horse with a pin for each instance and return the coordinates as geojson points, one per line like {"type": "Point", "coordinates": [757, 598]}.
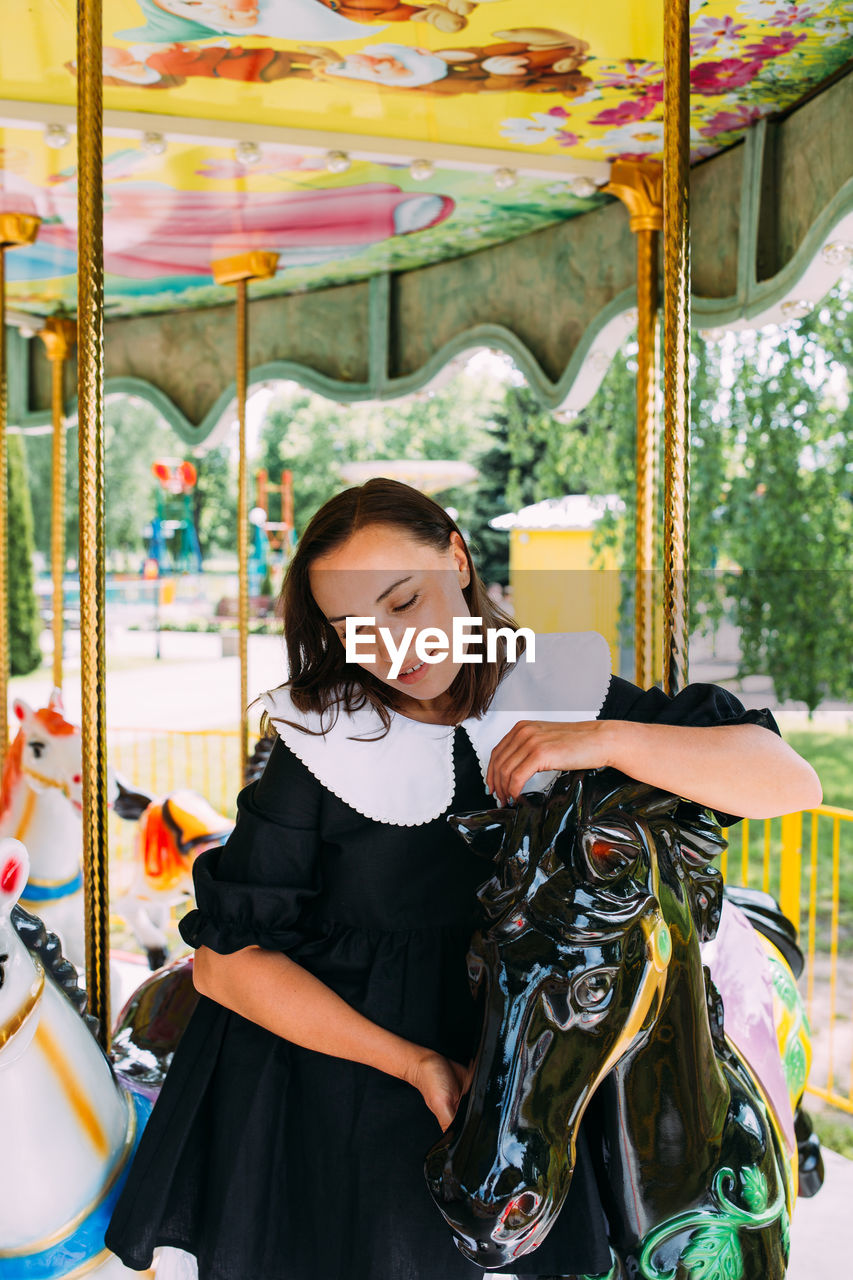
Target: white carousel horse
{"type": "Point", "coordinates": [41, 803]}
{"type": "Point", "coordinates": [68, 1129]}
{"type": "Point", "coordinates": [171, 833]}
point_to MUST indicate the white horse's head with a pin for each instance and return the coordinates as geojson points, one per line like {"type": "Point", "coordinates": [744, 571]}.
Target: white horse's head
{"type": "Point", "coordinates": [21, 980]}
{"type": "Point", "coordinates": [47, 754]}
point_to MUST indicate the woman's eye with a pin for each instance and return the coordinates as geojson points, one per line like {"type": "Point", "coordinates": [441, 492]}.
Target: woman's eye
{"type": "Point", "coordinates": [400, 607]}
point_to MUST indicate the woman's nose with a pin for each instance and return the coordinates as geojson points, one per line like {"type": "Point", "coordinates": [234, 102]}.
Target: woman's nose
{"type": "Point", "coordinates": [389, 638]}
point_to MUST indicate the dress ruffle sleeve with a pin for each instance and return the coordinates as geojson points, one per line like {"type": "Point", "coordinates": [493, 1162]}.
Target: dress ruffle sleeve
{"type": "Point", "coordinates": [255, 889]}
{"type": "Point", "coordinates": [696, 704]}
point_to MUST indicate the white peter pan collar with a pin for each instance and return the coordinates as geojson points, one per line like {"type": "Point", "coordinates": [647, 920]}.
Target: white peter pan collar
{"type": "Point", "coordinates": [406, 777]}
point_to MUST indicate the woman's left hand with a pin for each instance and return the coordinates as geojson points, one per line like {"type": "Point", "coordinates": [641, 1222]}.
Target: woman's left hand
{"type": "Point", "coordinates": [532, 746]}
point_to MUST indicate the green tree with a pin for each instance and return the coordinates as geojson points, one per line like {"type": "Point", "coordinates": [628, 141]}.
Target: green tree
{"type": "Point", "coordinates": [135, 435]}
{"type": "Point", "coordinates": [215, 501]}
{"type": "Point", "coordinates": [314, 437]}
{"type": "Point", "coordinates": [789, 514]}
{"type": "Point", "coordinates": [24, 621]}
{"type": "Point", "coordinates": [516, 468]}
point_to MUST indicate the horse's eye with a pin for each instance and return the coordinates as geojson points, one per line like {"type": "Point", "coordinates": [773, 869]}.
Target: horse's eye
{"type": "Point", "coordinates": [607, 856]}
{"type": "Point", "coordinates": [593, 988]}
{"type": "Point", "coordinates": [37, 748]}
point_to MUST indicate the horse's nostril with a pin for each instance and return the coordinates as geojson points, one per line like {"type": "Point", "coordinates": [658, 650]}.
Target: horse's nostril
{"type": "Point", "coordinates": [518, 1212]}
{"type": "Point", "coordinates": [77, 778]}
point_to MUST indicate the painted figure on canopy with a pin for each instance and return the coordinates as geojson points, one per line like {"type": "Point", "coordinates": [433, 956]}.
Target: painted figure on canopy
{"type": "Point", "coordinates": [530, 59]}
{"type": "Point", "coordinates": [182, 20]}
{"type": "Point", "coordinates": [153, 230]}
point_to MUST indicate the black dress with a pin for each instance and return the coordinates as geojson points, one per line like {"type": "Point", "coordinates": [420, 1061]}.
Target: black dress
{"type": "Point", "coordinates": [272, 1162]}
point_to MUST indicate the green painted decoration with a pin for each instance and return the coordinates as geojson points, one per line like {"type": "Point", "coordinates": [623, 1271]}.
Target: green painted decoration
{"type": "Point", "coordinates": [713, 1251]}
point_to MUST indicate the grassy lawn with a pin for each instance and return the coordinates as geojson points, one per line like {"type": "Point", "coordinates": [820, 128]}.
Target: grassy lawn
{"type": "Point", "coordinates": [834, 1128]}
{"type": "Point", "coordinates": [831, 754]}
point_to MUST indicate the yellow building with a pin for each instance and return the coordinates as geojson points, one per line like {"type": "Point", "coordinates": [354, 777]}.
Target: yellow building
{"type": "Point", "coordinates": [556, 580]}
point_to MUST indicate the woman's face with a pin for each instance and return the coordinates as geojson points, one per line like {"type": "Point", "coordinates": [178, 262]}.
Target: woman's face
{"type": "Point", "coordinates": [382, 572]}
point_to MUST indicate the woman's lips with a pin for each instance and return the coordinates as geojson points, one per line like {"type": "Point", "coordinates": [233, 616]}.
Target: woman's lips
{"type": "Point", "coordinates": [416, 675]}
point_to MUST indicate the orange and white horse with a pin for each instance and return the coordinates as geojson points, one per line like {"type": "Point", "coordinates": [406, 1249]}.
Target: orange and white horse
{"type": "Point", "coordinates": [41, 804]}
{"type": "Point", "coordinates": [171, 833]}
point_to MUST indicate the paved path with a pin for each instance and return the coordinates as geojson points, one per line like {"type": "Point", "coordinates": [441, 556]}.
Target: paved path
{"type": "Point", "coordinates": [819, 1240]}
{"type": "Point", "coordinates": [191, 687]}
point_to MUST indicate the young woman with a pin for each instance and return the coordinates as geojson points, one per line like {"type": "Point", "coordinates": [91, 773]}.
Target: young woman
{"type": "Point", "coordinates": [335, 1030]}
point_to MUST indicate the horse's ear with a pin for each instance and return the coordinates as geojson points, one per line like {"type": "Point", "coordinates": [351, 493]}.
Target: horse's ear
{"type": "Point", "coordinates": [484, 830]}
{"type": "Point", "coordinates": [129, 804]}
{"type": "Point", "coordinates": [23, 711]}
{"type": "Point", "coordinates": [14, 873]}
{"type": "Point", "coordinates": [54, 702]}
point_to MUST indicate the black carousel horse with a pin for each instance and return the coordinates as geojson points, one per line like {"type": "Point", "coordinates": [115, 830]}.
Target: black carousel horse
{"type": "Point", "coordinates": [590, 979]}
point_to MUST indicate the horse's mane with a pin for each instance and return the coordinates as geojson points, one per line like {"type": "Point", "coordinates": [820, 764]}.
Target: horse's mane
{"type": "Point", "coordinates": [47, 947]}
{"type": "Point", "coordinates": [599, 797]}
{"type": "Point", "coordinates": [54, 722]}
{"type": "Point", "coordinates": [11, 773]}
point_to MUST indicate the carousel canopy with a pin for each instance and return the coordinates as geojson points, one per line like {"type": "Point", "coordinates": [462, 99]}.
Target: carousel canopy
{"type": "Point", "coordinates": [429, 174]}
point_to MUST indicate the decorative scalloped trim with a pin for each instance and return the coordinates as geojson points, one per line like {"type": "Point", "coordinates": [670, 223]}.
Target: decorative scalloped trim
{"type": "Point", "coordinates": [450, 770]}
{"type": "Point", "coordinates": [600, 706]}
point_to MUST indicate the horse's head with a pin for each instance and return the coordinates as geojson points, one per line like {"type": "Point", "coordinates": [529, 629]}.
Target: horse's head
{"type": "Point", "coordinates": [47, 754]}
{"type": "Point", "coordinates": [570, 973]}
{"type": "Point", "coordinates": [21, 979]}
{"type": "Point", "coordinates": [174, 831]}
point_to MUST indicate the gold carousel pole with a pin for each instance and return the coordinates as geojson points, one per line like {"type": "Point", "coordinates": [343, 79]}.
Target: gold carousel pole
{"type": "Point", "coordinates": [254, 265]}
{"type": "Point", "coordinates": [676, 326]}
{"type": "Point", "coordinates": [639, 185]}
{"type": "Point", "coordinates": [90, 381]}
{"type": "Point", "coordinates": [58, 336]}
{"type": "Point", "coordinates": [15, 229]}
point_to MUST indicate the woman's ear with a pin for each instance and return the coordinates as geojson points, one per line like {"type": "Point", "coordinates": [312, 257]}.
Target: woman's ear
{"type": "Point", "coordinates": [461, 557]}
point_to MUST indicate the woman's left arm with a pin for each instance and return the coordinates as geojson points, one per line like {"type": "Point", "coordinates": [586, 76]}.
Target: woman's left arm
{"type": "Point", "coordinates": [740, 769]}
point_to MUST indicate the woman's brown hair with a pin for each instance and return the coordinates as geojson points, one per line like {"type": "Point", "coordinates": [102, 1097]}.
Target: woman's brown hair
{"type": "Point", "coordinates": [320, 677]}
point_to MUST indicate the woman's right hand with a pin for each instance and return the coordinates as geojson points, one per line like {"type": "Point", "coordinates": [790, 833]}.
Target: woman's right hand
{"type": "Point", "coordinates": [441, 1083]}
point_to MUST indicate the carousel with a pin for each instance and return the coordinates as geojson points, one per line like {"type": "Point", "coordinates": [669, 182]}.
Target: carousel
{"type": "Point", "coordinates": [197, 199]}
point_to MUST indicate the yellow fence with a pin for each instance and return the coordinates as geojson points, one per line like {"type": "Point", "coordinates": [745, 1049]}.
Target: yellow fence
{"type": "Point", "coordinates": [804, 859]}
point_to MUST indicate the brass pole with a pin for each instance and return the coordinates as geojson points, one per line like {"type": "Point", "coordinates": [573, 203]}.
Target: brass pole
{"type": "Point", "coordinates": [676, 366]}
{"type": "Point", "coordinates": [58, 336]}
{"type": "Point", "coordinates": [90, 379]}
{"type": "Point", "coordinates": [5, 645]}
{"type": "Point", "coordinates": [255, 265]}
{"type": "Point", "coordinates": [647, 290]}
{"type": "Point", "coordinates": [638, 184]}
{"type": "Point", "coordinates": [15, 229]}
{"type": "Point", "coordinates": [243, 523]}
